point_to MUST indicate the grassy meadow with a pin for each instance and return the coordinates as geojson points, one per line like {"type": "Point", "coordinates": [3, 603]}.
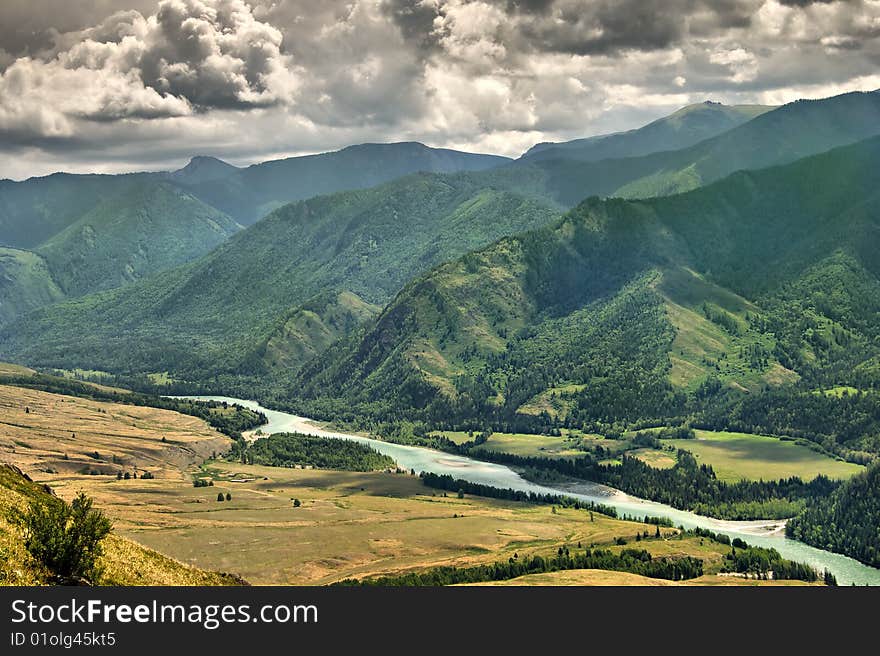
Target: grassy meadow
{"type": "Point", "coordinates": [736, 456]}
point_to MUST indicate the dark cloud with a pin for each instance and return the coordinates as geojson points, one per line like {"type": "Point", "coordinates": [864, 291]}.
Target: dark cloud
{"type": "Point", "coordinates": [415, 19]}
{"type": "Point", "coordinates": [30, 26]}
{"type": "Point", "coordinates": [606, 27]}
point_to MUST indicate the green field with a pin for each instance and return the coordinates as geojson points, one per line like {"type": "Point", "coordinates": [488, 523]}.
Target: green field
{"type": "Point", "coordinates": [524, 444]}
{"type": "Point", "coordinates": [736, 456]}
{"type": "Point", "coordinates": [655, 457]}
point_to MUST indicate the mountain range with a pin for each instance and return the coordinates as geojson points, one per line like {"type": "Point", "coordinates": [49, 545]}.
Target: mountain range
{"type": "Point", "coordinates": [622, 307]}
{"type": "Point", "coordinates": [88, 233]}
{"type": "Point", "coordinates": [685, 127]}
{"type": "Point", "coordinates": [229, 308]}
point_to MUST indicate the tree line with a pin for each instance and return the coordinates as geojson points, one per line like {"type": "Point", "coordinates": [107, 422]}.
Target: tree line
{"type": "Point", "coordinates": [687, 485]}
{"type": "Point", "coordinates": [635, 561]}
{"type": "Point", "coordinates": [292, 449]}
{"type": "Point", "coordinates": [448, 483]}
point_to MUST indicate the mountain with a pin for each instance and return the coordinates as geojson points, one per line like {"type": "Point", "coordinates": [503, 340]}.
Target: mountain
{"type": "Point", "coordinates": [783, 135]}
{"type": "Point", "coordinates": [96, 232]}
{"type": "Point", "coordinates": [310, 328]}
{"type": "Point", "coordinates": [25, 284]}
{"type": "Point", "coordinates": [684, 128]}
{"type": "Point", "coordinates": [243, 307]}
{"type": "Point", "coordinates": [228, 311]}
{"type": "Point", "coordinates": [34, 210]}
{"type": "Point", "coordinates": [203, 169]}
{"type": "Point", "coordinates": [626, 310]}
{"type": "Point", "coordinates": [148, 229]}
{"type": "Point", "coordinates": [251, 193]}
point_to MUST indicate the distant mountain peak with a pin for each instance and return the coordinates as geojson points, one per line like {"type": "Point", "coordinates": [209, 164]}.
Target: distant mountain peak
{"type": "Point", "coordinates": [203, 168]}
{"type": "Point", "coordinates": [683, 128]}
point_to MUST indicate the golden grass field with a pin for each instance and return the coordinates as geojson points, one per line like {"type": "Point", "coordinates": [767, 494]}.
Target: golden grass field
{"type": "Point", "coordinates": [50, 435]}
{"type": "Point", "coordinates": [349, 524]}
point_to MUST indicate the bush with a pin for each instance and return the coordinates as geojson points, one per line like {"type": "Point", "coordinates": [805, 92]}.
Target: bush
{"type": "Point", "coordinates": [65, 538]}
{"type": "Point", "coordinates": [220, 496]}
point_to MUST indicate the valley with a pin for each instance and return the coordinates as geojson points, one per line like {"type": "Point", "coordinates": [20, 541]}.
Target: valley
{"type": "Point", "coordinates": [522, 355]}
{"type": "Point", "coordinates": [346, 524]}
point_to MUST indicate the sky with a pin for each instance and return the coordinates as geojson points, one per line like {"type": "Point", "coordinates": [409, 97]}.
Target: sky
{"type": "Point", "coordinates": [121, 85]}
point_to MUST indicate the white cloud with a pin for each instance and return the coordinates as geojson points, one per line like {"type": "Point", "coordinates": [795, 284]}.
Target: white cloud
{"type": "Point", "coordinates": [192, 55]}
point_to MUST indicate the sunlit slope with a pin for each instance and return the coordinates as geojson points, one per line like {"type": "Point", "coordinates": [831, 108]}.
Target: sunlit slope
{"type": "Point", "coordinates": [750, 281]}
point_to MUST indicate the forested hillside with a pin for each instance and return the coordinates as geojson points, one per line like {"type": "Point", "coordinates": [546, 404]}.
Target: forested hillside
{"type": "Point", "coordinates": [637, 311]}
{"type": "Point", "coordinates": [153, 227]}
{"type": "Point", "coordinates": [783, 135]}
{"type": "Point", "coordinates": [847, 521]}
{"type": "Point", "coordinates": [25, 283]}
{"type": "Point", "coordinates": [249, 194]}
{"type": "Point", "coordinates": [232, 310]}
{"type": "Point", "coordinates": [88, 233]}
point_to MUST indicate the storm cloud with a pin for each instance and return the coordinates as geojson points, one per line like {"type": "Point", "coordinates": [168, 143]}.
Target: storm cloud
{"type": "Point", "coordinates": [126, 84]}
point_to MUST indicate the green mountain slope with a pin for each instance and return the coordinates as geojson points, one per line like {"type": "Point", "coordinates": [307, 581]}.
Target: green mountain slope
{"type": "Point", "coordinates": [251, 193]}
{"type": "Point", "coordinates": [634, 306]}
{"type": "Point", "coordinates": [682, 129]}
{"type": "Point", "coordinates": [231, 309]}
{"type": "Point", "coordinates": [25, 284]}
{"type": "Point", "coordinates": [148, 229]}
{"type": "Point", "coordinates": [310, 328]}
{"type": "Point", "coordinates": [780, 136]}
{"type": "Point", "coordinates": [34, 210]}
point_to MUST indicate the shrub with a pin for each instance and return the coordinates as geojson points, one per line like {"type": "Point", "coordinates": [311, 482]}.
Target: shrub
{"type": "Point", "coordinates": [65, 538]}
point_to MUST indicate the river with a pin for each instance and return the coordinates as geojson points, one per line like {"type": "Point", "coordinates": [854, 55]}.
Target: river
{"type": "Point", "coordinates": [758, 533]}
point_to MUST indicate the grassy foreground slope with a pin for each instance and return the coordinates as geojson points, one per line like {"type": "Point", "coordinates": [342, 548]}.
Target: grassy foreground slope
{"type": "Point", "coordinates": [123, 562]}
